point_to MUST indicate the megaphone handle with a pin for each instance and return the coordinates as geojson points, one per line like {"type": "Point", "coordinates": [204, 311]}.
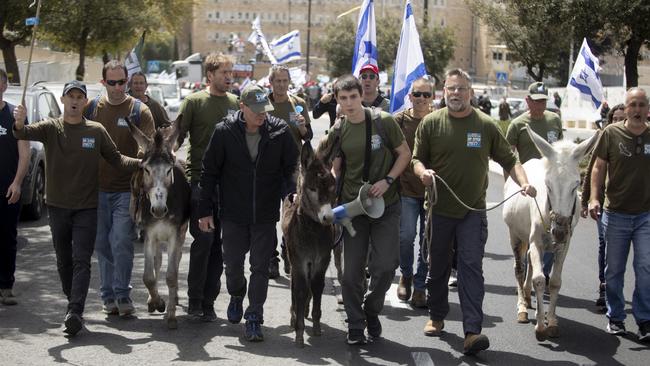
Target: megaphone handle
{"type": "Point", "coordinates": [347, 223]}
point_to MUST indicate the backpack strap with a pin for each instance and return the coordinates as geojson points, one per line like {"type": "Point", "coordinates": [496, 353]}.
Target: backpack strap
{"type": "Point", "coordinates": [376, 120]}
{"type": "Point", "coordinates": [135, 112]}
{"type": "Point", "coordinates": [92, 108]}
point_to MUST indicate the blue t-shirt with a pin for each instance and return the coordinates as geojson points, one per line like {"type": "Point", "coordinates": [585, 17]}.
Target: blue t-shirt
{"type": "Point", "coordinates": [8, 148]}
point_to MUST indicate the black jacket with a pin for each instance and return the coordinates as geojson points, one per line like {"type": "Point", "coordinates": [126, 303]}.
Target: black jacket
{"type": "Point", "coordinates": [249, 192]}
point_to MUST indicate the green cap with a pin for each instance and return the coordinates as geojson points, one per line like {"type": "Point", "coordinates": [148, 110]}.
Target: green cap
{"type": "Point", "coordinates": [255, 98]}
{"type": "Point", "coordinates": [537, 91]}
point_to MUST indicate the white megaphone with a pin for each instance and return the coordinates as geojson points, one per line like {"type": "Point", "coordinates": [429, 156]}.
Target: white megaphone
{"type": "Point", "coordinates": [372, 207]}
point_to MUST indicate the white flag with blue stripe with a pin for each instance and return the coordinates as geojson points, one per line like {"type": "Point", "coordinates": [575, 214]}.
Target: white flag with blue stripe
{"type": "Point", "coordinates": [287, 47]}
{"type": "Point", "coordinates": [409, 64]}
{"type": "Point", "coordinates": [584, 76]}
{"type": "Point", "coordinates": [258, 38]}
{"type": "Point", "coordinates": [365, 45]}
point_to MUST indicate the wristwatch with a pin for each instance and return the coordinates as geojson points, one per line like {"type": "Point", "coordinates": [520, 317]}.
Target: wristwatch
{"type": "Point", "coordinates": [389, 179]}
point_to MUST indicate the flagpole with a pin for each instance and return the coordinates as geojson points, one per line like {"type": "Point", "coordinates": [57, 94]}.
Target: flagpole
{"type": "Point", "coordinates": [31, 49]}
{"type": "Point", "coordinates": [308, 36]}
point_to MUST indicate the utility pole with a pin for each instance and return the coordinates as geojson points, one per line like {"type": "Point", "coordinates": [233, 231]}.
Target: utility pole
{"type": "Point", "coordinates": [308, 35]}
{"type": "Point", "coordinates": [289, 2]}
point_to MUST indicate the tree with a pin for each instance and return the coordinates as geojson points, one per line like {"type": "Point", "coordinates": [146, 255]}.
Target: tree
{"type": "Point", "coordinates": [535, 32]}
{"type": "Point", "coordinates": [437, 49]}
{"type": "Point", "coordinates": [13, 32]}
{"type": "Point", "coordinates": [338, 44]}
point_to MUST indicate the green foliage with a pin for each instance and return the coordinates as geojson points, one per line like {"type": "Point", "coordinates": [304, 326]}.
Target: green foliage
{"type": "Point", "coordinates": [13, 32]}
{"type": "Point", "coordinates": [338, 44]}
{"type": "Point", "coordinates": [437, 49]}
{"type": "Point", "coordinates": [388, 33]}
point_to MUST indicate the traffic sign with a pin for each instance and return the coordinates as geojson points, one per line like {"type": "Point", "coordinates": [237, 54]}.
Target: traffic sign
{"type": "Point", "coordinates": [502, 77]}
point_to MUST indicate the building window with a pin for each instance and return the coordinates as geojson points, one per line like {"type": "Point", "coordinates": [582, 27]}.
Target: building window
{"type": "Point", "coordinates": [497, 56]}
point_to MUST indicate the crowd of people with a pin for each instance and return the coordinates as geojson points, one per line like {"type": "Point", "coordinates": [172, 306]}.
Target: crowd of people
{"type": "Point", "coordinates": [242, 155]}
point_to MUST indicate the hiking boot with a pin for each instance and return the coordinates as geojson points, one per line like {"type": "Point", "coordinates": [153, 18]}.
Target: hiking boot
{"type": "Point", "coordinates": [356, 337]}
{"type": "Point", "coordinates": [644, 332]}
{"type": "Point", "coordinates": [419, 299]}
{"type": "Point", "coordinates": [453, 278]}
{"type": "Point", "coordinates": [274, 268]}
{"type": "Point", "coordinates": [110, 307]}
{"type": "Point", "coordinates": [73, 323]}
{"type": "Point", "coordinates": [374, 326]}
{"type": "Point", "coordinates": [434, 327]}
{"type": "Point", "coordinates": [253, 330]}
{"type": "Point", "coordinates": [616, 327]}
{"type": "Point", "coordinates": [195, 308]}
{"type": "Point", "coordinates": [475, 343]}
{"type": "Point", "coordinates": [404, 288]}
{"type": "Point", "coordinates": [8, 297]}
{"type": "Point", "coordinates": [208, 314]}
{"type": "Point", "coordinates": [235, 309]}
{"type": "Point", "coordinates": [600, 301]}
{"type": "Point", "coordinates": [125, 306]}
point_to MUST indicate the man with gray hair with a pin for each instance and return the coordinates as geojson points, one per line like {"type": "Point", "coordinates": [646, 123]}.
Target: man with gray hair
{"type": "Point", "coordinates": [455, 144]}
{"type": "Point", "coordinates": [623, 155]}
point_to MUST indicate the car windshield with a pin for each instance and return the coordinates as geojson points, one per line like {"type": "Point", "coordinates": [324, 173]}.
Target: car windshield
{"type": "Point", "coordinates": [170, 91]}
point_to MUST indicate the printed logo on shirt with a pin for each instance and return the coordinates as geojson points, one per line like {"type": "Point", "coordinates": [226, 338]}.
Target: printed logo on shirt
{"type": "Point", "coordinates": [623, 150]}
{"type": "Point", "coordinates": [121, 122]}
{"type": "Point", "coordinates": [375, 142]}
{"type": "Point", "coordinates": [3, 131]}
{"type": "Point", "coordinates": [551, 136]}
{"type": "Point", "coordinates": [88, 142]}
{"type": "Point", "coordinates": [474, 139]}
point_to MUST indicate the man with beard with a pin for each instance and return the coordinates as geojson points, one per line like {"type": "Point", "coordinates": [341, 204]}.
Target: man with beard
{"type": "Point", "coordinates": [455, 143]}
{"type": "Point", "coordinates": [200, 112]}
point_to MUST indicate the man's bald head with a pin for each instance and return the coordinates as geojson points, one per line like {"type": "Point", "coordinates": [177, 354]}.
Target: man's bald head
{"type": "Point", "coordinates": [636, 105]}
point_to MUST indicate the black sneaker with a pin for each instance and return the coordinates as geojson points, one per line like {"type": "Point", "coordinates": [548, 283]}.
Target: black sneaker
{"type": "Point", "coordinates": [208, 314]}
{"type": "Point", "coordinates": [73, 323]}
{"type": "Point", "coordinates": [356, 337]}
{"type": "Point", "coordinates": [195, 308]}
{"type": "Point", "coordinates": [374, 326]}
{"type": "Point", "coordinates": [644, 332]}
{"type": "Point", "coordinates": [235, 309]}
{"type": "Point", "coordinates": [253, 331]}
{"type": "Point", "coordinates": [616, 327]}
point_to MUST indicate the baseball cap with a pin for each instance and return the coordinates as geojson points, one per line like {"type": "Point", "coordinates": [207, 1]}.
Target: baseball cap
{"type": "Point", "coordinates": [369, 67]}
{"type": "Point", "coordinates": [537, 91]}
{"type": "Point", "coordinates": [255, 98]}
{"type": "Point", "coordinates": [75, 84]}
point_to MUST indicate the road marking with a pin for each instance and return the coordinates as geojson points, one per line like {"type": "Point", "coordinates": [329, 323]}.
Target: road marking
{"type": "Point", "coordinates": [422, 359]}
{"type": "Point", "coordinates": [393, 300]}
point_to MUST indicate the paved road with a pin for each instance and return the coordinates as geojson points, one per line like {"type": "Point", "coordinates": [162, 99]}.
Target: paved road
{"type": "Point", "coordinates": [30, 333]}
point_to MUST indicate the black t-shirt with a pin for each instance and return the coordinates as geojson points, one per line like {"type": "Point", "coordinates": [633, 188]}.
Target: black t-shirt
{"type": "Point", "coordinates": [8, 148]}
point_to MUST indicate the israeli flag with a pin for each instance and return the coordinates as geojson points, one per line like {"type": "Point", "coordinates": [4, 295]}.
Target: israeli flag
{"type": "Point", "coordinates": [584, 76]}
{"type": "Point", "coordinates": [365, 45]}
{"type": "Point", "coordinates": [287, 47]}
{"type": "Point", "coordinates": [257, 38]}
{"type": "Point", "coordinates": [409, 64]}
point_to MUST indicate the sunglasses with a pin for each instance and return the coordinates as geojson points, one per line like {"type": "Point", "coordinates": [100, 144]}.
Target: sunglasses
{"type": "Point", "coordinates": [116, 82]}
{"type": "Point", "coordinates": [639, 147]}
{"type": "Point", "coordinates": [368, 76]}
{"type": "Point", "coordinates": [421, 94]}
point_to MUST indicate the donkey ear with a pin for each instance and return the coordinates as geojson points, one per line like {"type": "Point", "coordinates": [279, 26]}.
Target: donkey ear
{"type": "Point", "coordinates": [544, 147]}
{"type": "Point", "coordinates": [585, 146]}
{"type": "Point", "coordinates": [175, 129]}
{"type": "Point", "coordinates": [143, 141]}
{"type": "Point", "coordinates": [306, 154]}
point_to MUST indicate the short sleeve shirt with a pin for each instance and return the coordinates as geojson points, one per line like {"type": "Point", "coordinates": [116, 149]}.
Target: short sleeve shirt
{"type": "Point", "coordinates": [458, 150]}
{"type": "Point", "coordinates": [410, 184]}
{"type": "Point", "coordinates": [628, 169]}
{"type": "Point", "coordinates": [287, 112]}
{"type": "Point", "coordinates": [353, 146]}
{"type": "Point", "coordinates": [549, 128]}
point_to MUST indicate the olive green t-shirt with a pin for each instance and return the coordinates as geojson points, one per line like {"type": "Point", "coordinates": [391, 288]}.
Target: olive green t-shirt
{"type": "Point", "coordinates": [457, 149]}
{"type": "Point", "coordinates": [353, 147]}
{"type": "Point", "coordinates": [287, 112]}
{"type": "Point", "coordinates": [548, 127]}
{"type": "Point", "coordinates": [411, 185]}
{"type": "Point", "coordinates": [112, 117]}
{"type": "Point", "coordinates": [201, 112]}
{"type": "Point", "coordinates": [628, 169]}
{"type": "Point", "coordinates": [73, 153]}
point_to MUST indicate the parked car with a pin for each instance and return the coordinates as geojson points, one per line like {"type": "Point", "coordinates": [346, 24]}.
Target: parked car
{"type": "Point", "coordinates": [171, 93]}
{"type": "Point", "coordinates": [40, 104]}
{"type": "Point", "coordinates": [56, 88]}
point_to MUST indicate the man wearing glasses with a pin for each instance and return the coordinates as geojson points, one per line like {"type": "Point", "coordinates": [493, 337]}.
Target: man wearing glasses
{"type": "Point", "coordinates": [412, 198]}
{"type": "Point", "coordinates": [369, 77]}
{"type": "Point", "coordinates": [115, 228]}
{"type": "Point", "coordinates": [623, 155]}
{"type": "Point", "coordinates": [455, 143]}
{"type": "Point", "coordinates": [544, 123]}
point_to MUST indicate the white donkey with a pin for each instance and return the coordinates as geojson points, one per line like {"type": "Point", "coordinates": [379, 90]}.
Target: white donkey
{"type": "Point", "coordinates": [556, 177]}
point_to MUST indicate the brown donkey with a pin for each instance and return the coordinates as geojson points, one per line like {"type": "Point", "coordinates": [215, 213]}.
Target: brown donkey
{"type": "Point", "coordinates": [307, 225]}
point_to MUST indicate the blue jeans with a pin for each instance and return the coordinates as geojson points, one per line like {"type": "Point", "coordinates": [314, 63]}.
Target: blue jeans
{"type": "Point", "coordinates": [620, 230]}
{"type": "Point", "coordinates": [114, 244]}
{"type": "Point", "coordinates": [412, 209]}
{"type": "Point", "coordinates": [601, 249]}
